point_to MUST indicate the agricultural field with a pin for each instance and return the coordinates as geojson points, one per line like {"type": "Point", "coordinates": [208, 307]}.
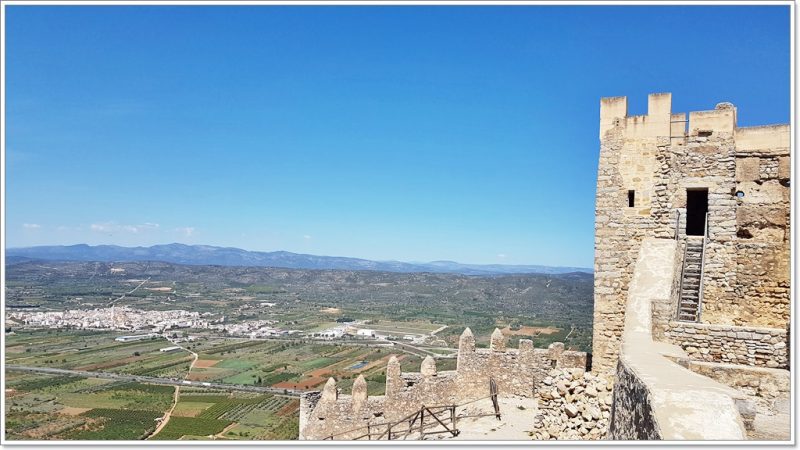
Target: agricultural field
{"type": "Point", "coordinates": [208, 415]}
{"type": "Point", "coordinates": [94, 351]}
{"type": "Point", "coordinates": [404, 307]}
{"type": "Point", "coordinates": [73, 407]}
{"type": "Point", "coordinates": [47, 407]}
{"type": "Point", "coordinates": [314, 300]}
{"type": "Point", "coordinates": [286, 364]}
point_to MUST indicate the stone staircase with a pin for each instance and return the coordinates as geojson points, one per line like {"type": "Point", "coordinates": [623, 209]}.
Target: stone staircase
{"type": "Point", "coordinates": [689, 302]}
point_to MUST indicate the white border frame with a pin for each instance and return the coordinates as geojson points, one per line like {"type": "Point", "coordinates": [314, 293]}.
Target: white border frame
{"type": "Point", "coordinates": [368, 444]}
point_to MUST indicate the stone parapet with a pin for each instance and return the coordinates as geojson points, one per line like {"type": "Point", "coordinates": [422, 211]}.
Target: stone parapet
{"type": "Point", "coordinates": [769, 384]}
{"type": "Point", "coordinates": [655, 398]}
{"type": "Point", "coordinates": [516, 372]}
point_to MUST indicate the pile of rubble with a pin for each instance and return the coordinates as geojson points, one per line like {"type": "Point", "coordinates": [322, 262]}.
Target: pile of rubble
{"type": "Point", "coordinates": [573, 405]}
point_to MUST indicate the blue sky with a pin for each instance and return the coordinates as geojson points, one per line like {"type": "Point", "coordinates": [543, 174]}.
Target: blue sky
{"type": "Point", "coordinates": [407, 133]}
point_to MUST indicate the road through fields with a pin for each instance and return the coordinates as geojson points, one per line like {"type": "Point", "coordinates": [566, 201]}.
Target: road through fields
{"type": "Point", "coordinates": [154, 380]}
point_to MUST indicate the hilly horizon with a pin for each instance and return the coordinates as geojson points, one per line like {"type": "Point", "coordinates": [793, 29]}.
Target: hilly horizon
{"type": "Point", "coordinates": [231, 256]}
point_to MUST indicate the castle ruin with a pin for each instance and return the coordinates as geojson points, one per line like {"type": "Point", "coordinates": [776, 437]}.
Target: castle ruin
{"type": "Point", "coordinates": [692, 269]}
{"type": "Point", "coordinates": [515, 372]}
{"type": "Point", "coordinates": [692, 299]}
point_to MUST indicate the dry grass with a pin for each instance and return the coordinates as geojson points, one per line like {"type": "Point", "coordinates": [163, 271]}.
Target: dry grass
{"type": "Point", "coordinates": [307, 383]}
{"type": "Point", "coordinates": [73, 411]}
{"type": "Point", "coordinates": [205, 363]}
{"type": "Point", "coordinates": [190, 409]}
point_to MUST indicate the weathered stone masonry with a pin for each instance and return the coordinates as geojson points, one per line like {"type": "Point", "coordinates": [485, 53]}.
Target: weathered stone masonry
{"type": "Point", "coordinates": [515, 371]}
{"type": "Point", "coordinates": [705, 198]}
{"type": "Point", "coordinates": [765, 347]}
{"type": "Point", "coordinates": [649, 162]}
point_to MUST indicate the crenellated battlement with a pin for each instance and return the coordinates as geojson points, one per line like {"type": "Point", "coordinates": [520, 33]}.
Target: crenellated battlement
{"type": "Point", "coordinates": [661, 122]}
{"type": "Point", "coordinates": [516, 372]}
{"type": "Point", "coordinates": [658, 121]}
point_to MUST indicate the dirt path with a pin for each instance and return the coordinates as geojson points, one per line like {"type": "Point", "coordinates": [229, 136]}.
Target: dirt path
{"type": "Point", "coordinates": [177, 394]}
{"type": "Point", "coordinates": [129, 292]}
{"type": "Point", "coordinates": [221, 434]}
{"type": "Point", "coordinates": [442, 328]}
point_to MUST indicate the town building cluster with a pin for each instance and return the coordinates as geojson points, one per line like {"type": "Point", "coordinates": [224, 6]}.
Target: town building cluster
{"type": "Point", "coordinates": [112, 318]}
{"type": "Point", "coordinates": [130, 319]}
{"type": "Point", "coordinates": [252, 329]}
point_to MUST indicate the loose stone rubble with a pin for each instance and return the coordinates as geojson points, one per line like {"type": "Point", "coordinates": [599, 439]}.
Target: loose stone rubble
{"type": "Point", "coordinates": [573, 405]}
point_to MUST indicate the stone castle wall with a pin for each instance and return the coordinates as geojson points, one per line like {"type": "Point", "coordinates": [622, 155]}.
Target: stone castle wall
{"type": "Point", "coordinates": [658, 157]}
{"type": "Point", "coordinates": [516, 372]}
{"type": "Point", "coordinates": [763, 347]}
{"type": "Point", "coordinates": [764, 383]}
{"type": "Point", "coordinates": [634, 413]}
{"type": "Point", "coordinates": [655, 398]}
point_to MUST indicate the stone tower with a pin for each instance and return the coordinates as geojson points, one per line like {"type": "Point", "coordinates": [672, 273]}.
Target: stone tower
{"type": "Point", "coordinates": [663, 176]}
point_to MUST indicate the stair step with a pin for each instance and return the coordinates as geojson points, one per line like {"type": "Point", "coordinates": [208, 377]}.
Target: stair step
{"type": "Point", "coordinates": [691, 279]}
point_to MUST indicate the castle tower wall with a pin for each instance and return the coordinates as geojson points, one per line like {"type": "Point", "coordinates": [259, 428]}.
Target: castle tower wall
{"type": "Point", "coordinates": [626, 176]}
{"type": "Point", "coordinates": [647, 164]}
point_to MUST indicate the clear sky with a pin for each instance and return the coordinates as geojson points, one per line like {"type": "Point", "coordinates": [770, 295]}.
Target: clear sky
{"type": "Point", "coordinates": [406, 133]}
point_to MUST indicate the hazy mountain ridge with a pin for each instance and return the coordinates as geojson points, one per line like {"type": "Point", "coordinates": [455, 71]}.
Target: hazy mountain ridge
{"type": "Point", "coordinates": [230, 256]}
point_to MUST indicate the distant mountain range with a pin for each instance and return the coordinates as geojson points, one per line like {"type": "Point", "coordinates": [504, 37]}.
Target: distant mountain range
{"type": "Point", "coordinates": [229, 256]}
